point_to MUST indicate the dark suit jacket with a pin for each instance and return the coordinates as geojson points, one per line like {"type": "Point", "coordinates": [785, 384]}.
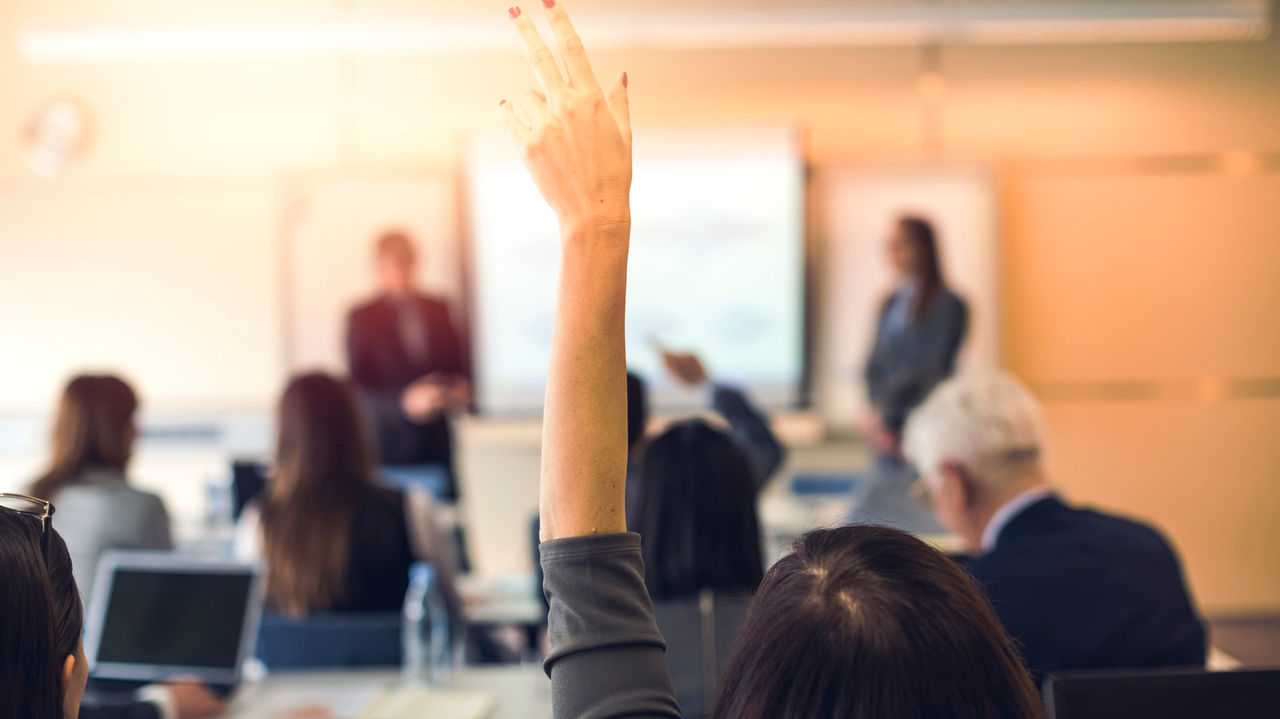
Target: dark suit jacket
{"type": "Point", "coordinates": [902, 370]}
{"type": "Point", "coordinates": [381, 370]}
{"type": "Point", "coordinates": [1078, 589]}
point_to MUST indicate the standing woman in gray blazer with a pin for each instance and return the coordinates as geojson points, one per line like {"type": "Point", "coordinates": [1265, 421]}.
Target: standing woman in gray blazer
{"type": "Point", "coordinates": [921, 326]}
{"type": "Point", "coordinates": [93, 438]}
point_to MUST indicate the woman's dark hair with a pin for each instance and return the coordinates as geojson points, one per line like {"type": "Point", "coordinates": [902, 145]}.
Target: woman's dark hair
{"type": "Point", "coordinates": [94, 429]}
{"type": "Point", "coordinates": [323, 466]}
{"type": "Point", "coordinates": [927, 271]}
{"type": "Point", "coordinates": [41, 619]}
{"type": "Point", "coordinates": [637, 409]}
{"type": "Point", "coordinates": [868, 621]}
{"type": "Point", "coordinates": [695, 510]}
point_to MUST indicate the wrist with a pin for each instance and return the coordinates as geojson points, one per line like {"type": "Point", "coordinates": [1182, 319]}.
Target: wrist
{"type": "Point", "coordinates": [611, 229]}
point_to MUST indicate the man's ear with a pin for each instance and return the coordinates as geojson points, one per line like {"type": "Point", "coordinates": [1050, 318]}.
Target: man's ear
{"type": "Point", "coordinates": [958, 476]}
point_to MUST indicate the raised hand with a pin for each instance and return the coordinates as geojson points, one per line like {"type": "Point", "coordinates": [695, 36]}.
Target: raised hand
{"type": "Point", "coordinates": [575, 141]}
{"type": "Point", "coordinates": [685, 366]}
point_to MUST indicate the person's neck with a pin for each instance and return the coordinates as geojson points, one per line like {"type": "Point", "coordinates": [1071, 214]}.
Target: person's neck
{"type": "Point", "coordinates": [991, 504]}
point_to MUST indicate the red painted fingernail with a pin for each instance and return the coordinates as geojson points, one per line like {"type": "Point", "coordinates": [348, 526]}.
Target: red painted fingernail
{"type": "Point", "coordinates": [514, 11]}
{"type": "Point", "coordinates": [501, 103]}
{"type": "Point", "coordinates": [624, 79]}
{"type": "Point", "coordinates": [548, 4]}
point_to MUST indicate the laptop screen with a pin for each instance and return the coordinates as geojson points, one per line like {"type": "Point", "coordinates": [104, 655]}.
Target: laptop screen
{"type": "Point", "coordinates": [156, 616]}
{"type": "Point", "coordinates": [175, 619]}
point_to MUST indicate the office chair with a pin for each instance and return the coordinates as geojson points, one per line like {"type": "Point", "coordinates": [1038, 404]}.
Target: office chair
{"type": "Point", "coordinates": [329, 640]}
{"type": "Point", "coordinates": [1164, 693]}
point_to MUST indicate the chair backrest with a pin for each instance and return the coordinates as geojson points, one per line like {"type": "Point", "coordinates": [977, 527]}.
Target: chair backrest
{"type": "Point", "coordinates": [248, 480]}
{"type": "Point", "coordinates": [1169, 694]}
{"type": "Point", "coordinates": [330, 640]}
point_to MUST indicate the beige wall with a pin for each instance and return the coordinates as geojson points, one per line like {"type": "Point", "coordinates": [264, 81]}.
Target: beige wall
{"type": "Point", "coordinates": [1127, 253]}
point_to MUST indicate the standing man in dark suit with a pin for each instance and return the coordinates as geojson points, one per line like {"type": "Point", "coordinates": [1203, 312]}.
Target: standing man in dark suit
{"type": "Point", "coordinates": [408, 363]}
{"type": "Point", "coordinates": [1075, 588]}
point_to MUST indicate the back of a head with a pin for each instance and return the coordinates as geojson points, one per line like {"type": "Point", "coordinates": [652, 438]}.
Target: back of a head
{"type": "Point", "coordinates": [322, 445]}
{"type": "Point", "coordinates": [695, 510]}
{"type": "Point", "coordinates": [987, 421]}
{"type": "Point", "coordinates": [323, 465]}
{"type": "Point", "coordinates": [40, 619]}
{"type": "Point", "coordinates": [868, 621]}
{"type": "Point", "coordinates": [93, 429]}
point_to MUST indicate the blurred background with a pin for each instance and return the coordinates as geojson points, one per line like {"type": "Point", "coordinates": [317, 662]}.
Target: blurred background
{"type": "Point", "coordinates": [189, 193]}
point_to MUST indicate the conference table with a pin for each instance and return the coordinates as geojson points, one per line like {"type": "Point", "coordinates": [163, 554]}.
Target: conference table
{"type": "Point", "coordinates": [500, 692]}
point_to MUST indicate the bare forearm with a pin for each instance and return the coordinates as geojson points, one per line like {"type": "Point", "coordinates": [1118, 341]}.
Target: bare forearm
{"type": "Point", "coordinates": [584, 445]}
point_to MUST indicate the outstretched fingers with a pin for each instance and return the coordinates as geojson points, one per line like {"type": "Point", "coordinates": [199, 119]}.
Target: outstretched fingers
{"type": "Point", "coordinates": [540, 56]}
{"type": "Point", "coordinates": [512, 123]}
{"type": "Point", "coordinates": [575, 56]}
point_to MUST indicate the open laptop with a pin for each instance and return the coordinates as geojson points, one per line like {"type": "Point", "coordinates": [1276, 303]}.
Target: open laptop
{"type": "Point", "coordinates": [156, 616]}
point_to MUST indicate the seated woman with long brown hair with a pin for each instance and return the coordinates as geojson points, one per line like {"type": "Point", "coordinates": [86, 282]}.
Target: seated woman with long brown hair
{"type": "Point", "coordinates": [334, 540]}
{"type": "Point", "coordinates": [93, 437]}
{"type": "Point", "coordinates": [43, 668]}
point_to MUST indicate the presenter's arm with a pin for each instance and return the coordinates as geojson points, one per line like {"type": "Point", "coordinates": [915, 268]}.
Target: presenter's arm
{"type": "Point", "coordinates": [606, 657]}
{"type": "Point", "coordinates": [453, 355]}
{"type": "Point", "coordinates": [901, 388]}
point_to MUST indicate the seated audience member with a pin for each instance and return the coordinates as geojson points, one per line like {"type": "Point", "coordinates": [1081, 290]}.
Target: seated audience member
{"type": "Point", "coordinates": [859, 621]}
{"type": "Point", "coordinates": [1076, 588]}
{"type": "Point", "coordinates": [748, 426]}
{"type": "Point", "coordinates": [695, 510]}
{"type": "Point", "coordinates": [333, 540]}
{"type": "Point", "coordinates": [43, 668]}
{"type": "Point", "coordinates": [93, 437]}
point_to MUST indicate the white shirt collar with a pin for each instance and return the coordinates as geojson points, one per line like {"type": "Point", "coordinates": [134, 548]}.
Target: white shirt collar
{"type": "Point", "coordinates": [1008, 511]}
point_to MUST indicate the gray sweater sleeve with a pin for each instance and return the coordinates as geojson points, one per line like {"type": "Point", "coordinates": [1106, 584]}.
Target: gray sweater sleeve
{"type": "Point", "coordinates": [606, 656]}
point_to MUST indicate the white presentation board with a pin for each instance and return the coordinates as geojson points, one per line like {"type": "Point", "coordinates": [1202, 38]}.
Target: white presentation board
{"type": "Point", "coordinates": [174, 284]}
{"type": "Point", "coordinates": [717, 254]}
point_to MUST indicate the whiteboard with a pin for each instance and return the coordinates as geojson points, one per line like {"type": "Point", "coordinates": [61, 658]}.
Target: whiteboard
{"type": "Point", "coordinates": [331, 226]}
{"type": "Point", "coordinates": [174, 284]}
{"type": "Point", "coordinates": [855, 210]}
{"type": "Point", "coordinates": [716, 265]}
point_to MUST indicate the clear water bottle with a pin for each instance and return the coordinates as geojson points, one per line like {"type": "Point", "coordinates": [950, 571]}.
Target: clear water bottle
{"type": "Point", "coordinates": [428, 640]}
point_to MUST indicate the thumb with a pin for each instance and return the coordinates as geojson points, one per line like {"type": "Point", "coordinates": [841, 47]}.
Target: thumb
{"type": "Point", "coordinates": [620, 106]}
